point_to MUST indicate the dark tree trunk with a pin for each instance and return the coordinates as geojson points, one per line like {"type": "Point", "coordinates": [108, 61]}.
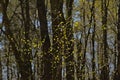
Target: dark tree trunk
{"type": "Point", "coordinates": [105, 68]}
{"type": "Point", "coordinates": [26, 71]}
{"type": "Point", "coordinates": [57, 27]}
{"type": "Point", "coordinates": [69, 43]}
{"type": "Point", "coordinates": [79, 49]}
{"type": "Point", "coordinates": [47, 57]}
{"type": "Point", "coordinates": [7, 64]}
{"type": "Point", "coordinates": [117, 72]}
{"type": "Point", "coordinates": [93, 40]}
{"type": "Point", "coordinates": [83, 57]}
{"type": "Point", "coordinates": [0, 66]}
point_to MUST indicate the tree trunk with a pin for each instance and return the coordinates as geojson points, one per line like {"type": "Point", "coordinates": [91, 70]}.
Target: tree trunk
{"type": "Point", "coordinates": [105, 65]}
{"type": "Point", "coordinates": [69, 42]}
{"type": "Point", "coordinates": [0, 66]}
{"type": "Point", "coordinates": [47, 57]}
{"type": "Point", "coordinates": [83, 58]}
{"type": "Point", "coordinates": [93, 40]}
{"type": "Point", "coordinates": [7, 64]}
{"type": "Point", "coordinates": [57, 29]}
{"type": "Point", "coordinates": [117, 72]}
{"type": "Point", "coordinates": [26, 67]}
